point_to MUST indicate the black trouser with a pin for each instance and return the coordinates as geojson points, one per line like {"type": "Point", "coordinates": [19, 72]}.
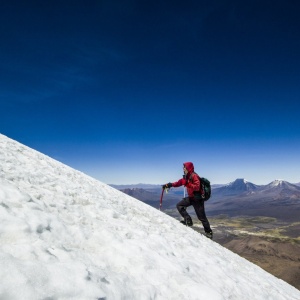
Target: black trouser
{"type": "Point", "coordinates": [198, 205]}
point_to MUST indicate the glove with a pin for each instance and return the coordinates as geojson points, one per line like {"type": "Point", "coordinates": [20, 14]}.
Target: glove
{"type": "Point", "coordinates": [167, 185]}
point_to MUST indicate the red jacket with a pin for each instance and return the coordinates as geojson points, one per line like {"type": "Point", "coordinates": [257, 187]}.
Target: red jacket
{"type": "Point", "coordinates": [192, 181]}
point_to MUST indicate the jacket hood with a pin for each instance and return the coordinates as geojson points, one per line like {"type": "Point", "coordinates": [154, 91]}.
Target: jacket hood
{"type": "Point", "coordinates": [189, 166]}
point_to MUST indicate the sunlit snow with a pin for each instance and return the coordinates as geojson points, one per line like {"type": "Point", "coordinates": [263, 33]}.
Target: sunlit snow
{"type": "Point", "coordinates": [65, 235]}
{"type": "Point", "coordinates": [277, 182]}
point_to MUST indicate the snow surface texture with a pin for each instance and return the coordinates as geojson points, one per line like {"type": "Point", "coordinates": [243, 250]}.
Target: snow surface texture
{"type": "Point", "coordinates": [65, 235]}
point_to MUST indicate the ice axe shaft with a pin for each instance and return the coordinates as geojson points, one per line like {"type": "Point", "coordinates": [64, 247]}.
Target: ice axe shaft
{"type": "Point", "coordinates": [161, 197]}
{"type": "Point", "coordinates": [184, 177]}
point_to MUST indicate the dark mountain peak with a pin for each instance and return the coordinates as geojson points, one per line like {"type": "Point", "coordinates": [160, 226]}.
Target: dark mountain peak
{"type": "Point", "coordinates": [242, 184]}
{"type": "Point", "coordinates": [236, 187]}
{"type": "Point", "coordinates": [239, 182]}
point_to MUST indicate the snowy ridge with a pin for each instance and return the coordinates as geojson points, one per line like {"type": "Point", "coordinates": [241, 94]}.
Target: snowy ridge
{"type": "Point", "coordinates": [281, 184]}
{"type": "Point", "coordinates": [277, 182]}
{"type": "Point", "coordinates": [65, 235]}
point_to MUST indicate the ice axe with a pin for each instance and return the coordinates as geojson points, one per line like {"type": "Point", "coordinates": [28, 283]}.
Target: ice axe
{"type": "Point", "coordinates": [184, 177]}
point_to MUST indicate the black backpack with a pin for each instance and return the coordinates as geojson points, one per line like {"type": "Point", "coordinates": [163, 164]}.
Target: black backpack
{"type": "Point", "coordinates": [205, 189]}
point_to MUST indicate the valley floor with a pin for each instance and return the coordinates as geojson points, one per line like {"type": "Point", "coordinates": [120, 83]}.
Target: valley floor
{"type": "Point", "coordinates": [267, 242]}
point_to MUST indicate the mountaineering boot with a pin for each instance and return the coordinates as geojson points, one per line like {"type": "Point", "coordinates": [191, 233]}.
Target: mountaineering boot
{"type": "Point", "coordinates": [187, 221]}
{"type": "Point", "coordinates": [183, 222]}
{"type": "Point", "coordinates": [209, 234]}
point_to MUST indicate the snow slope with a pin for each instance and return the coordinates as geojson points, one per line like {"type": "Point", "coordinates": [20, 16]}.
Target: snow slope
{"type": "Point", "coordinates": [65, 235]}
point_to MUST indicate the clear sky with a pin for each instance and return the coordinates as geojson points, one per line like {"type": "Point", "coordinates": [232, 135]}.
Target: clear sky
{"type": "Point", "coordinates": [126, 91]}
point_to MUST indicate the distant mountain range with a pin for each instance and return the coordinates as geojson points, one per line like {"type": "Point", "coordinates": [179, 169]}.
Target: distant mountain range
{"type": "Point", "coordinates": [279, 198]}
{"type": "Point", "coordinates": [242, 187]}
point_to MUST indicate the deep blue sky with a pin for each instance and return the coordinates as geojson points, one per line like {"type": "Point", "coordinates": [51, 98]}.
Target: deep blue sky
{"type": "Point", "coordinates": [126, 91]}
